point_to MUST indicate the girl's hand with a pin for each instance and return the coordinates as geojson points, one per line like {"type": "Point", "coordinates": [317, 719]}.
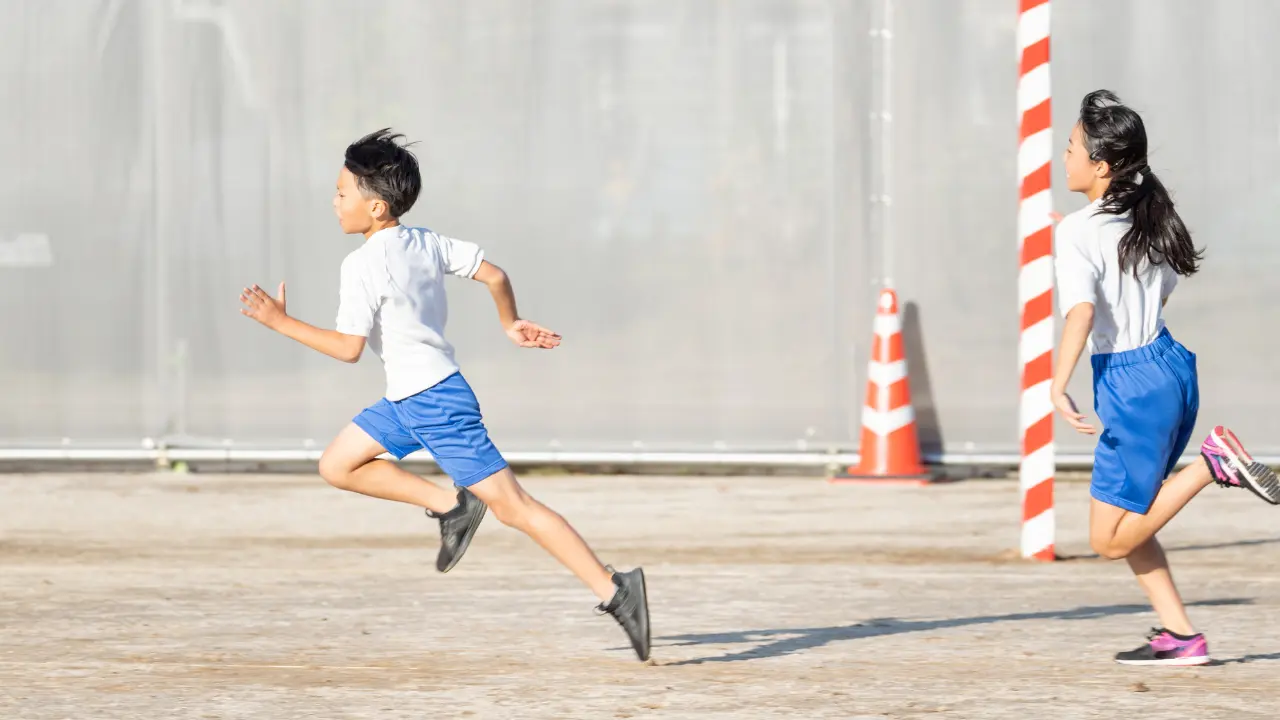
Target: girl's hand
{"type": "Point", "coordinates": [1065, 405]}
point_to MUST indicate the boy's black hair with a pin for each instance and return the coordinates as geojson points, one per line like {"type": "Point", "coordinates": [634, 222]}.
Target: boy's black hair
{"type": "Point", "coordinates": [385, 169]}
{"type": "Point", "coordinates": [1115, 133]}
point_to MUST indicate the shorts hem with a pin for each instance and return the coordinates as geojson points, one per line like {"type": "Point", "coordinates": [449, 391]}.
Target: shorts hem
{"type": "Point", "coordinates": [1121, 503]}
{"type": "Point", "coordinates": [494, 467]}
{"type": "Point", "coordinates": [380, 438]}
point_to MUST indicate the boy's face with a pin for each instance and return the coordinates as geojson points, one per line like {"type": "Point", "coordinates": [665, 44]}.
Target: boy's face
{"type": "Point", "coordinates": [356, 213]}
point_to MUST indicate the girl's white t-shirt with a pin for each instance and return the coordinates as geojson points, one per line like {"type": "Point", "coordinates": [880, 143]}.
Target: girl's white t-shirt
{"type": "Point", "coordinates": [1127, 309]}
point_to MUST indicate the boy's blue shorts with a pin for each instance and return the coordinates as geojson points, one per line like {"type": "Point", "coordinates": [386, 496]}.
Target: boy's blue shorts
{"type": "Point", "coordinates": [1147, 400]}
{"type": "Point", "coordinates": [445, 420]}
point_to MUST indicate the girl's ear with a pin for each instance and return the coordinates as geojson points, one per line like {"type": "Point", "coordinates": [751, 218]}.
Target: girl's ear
{"type": "Point", "coordinates": [1101, 169]}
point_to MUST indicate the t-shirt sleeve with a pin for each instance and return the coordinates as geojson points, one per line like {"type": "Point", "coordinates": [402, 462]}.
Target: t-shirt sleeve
{"type": "Point", "coordinates": [357, 303]}
{"type": "Point", "coordinates": [459, 257]}
{"type": "Point", "coordinates": [1076, 268]}
{"type": "Point", "coordinates": [1170, 281]}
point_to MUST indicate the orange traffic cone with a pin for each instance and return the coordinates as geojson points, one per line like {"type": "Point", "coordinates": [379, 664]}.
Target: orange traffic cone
{"type": "Point", "coordinates": [890, 450]}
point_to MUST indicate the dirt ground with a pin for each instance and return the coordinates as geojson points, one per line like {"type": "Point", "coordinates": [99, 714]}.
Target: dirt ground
{"type": "Point", "coordinates": [214, 596]}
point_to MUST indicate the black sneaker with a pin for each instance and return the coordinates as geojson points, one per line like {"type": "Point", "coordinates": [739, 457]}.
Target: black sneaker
{"type": "Point", "coordinates": [457, 527]}
{"type": "Point", "coordinates": [630, 607]}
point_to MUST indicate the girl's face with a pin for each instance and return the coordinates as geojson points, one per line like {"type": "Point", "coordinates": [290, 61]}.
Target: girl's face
{"type": "Point", "coordinates": [1083, 175]}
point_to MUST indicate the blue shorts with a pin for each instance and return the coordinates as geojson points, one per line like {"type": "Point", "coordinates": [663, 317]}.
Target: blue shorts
{"type": "Point", "coordinates": [1147, 400]}
{"type": "Point", "coordinates": [445, 420]}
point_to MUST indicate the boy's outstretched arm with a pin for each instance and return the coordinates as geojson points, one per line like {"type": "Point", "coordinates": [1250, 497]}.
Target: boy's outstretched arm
{"type": "Point", "coordinates": [271, 312]}
{"type": "Point", "coordinates": [521, 332]}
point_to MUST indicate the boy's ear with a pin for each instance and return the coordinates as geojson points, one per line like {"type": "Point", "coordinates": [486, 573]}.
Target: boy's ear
{"type": "Point", "coordinates": [378, 208]}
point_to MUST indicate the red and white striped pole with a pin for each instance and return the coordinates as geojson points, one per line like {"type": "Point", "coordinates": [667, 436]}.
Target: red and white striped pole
{"type": "Point", "coordinates": [1035, 280]}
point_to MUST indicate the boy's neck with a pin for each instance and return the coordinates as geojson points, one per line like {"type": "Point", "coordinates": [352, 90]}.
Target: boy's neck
{"type": "Point", "coordinates": [380, 226]}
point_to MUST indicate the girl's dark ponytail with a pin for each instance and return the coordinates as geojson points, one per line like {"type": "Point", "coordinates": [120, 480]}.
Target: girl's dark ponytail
{"type": "Point", "coordinates": [1114, 133]}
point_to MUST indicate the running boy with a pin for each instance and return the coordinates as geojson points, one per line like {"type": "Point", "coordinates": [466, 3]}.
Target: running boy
{"type": "Point", "coordinates": [1118, 259]}
{"type": "Point", "coordinates": [393, 297]}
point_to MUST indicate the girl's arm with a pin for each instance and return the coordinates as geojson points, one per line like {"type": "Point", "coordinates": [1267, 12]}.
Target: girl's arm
{"type": "Point", "coordinates": [1077, 272]}
{"type": "Point", "coordinates": [1075, 333]}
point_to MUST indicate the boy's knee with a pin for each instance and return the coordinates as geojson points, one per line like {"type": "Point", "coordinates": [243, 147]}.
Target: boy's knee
{"type": "Point", "coordinates": [508, 512]}
{"type": "Point", "coordinates": [513, 510]}
{"type": "Point", "coordinates": [335, 472]}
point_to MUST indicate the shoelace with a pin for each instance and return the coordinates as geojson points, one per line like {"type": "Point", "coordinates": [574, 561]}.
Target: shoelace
{"type": "Point", "coordinates": [440, 516]}
{"type": "Point", "coordinates": [1227, 467]}
{"type": "Point", "coordinates": [603, 608]}
{"type": "Point", "coordinates": [1157, 632]}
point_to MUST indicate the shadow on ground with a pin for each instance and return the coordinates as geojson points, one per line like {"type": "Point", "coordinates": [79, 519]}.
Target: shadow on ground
{"type": "Point", "coordinates": [1247, 659]}
{"type": "Point", "coordinates": [1185, 548]}
{"type": "Point", "coordinates": [777, 642]}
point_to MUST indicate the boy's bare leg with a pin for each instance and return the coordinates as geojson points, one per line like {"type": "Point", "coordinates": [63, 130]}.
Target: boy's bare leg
{"type": "Point", "coordinates": [351, 463]}
{"type": "Point", "coordinates": [516, 508]}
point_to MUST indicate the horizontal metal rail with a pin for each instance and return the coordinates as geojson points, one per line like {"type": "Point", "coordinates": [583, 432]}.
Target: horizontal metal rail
{"type": "Point", "coordinates": [638, 458]}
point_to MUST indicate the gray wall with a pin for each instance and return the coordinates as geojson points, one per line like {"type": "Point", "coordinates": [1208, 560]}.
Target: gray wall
{"type": "Point", "coordinates": [680, 187]}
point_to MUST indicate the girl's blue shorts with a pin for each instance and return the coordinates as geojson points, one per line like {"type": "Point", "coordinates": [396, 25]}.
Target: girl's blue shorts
{"type": "Point", "coordinates": [1147, 400]}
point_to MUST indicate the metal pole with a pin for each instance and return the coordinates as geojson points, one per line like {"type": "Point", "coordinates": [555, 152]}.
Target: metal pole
{"type": "Point", "coordinates": [886, 145]}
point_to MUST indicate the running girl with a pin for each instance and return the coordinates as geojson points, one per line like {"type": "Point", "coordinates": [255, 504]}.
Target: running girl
{"type": "Point", "coordinates": [1118, 260]}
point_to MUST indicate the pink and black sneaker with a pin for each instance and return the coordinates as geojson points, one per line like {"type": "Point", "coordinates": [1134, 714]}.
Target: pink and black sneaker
{"type": "Point", "coordinates": [1165, 648]}
{"type": "Point", "coordinates": [1232, 466]}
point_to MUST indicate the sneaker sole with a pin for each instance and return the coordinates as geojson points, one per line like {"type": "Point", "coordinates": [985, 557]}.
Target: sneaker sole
{"type": "Point", "coordinates": [465, 542]}
{"type": "Point", "coordinates": [1259, 478]}
{"type": "Point", "coordinates": [644, 605]}
{"type": "Point", "coordinates": [1175, 662]}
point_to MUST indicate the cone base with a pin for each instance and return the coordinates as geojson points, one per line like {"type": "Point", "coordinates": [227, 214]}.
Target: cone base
{"type": "Point", "coordinates": [1045, 555]}
{"type": "Point", "coordinates": [855, 477]}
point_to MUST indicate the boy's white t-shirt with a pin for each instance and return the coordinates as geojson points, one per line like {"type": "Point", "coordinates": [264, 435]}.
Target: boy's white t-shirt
{"type": "Point", "coordinates": [392, 292]}
{"type": "Point", "coordinates": [1127, 310]}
